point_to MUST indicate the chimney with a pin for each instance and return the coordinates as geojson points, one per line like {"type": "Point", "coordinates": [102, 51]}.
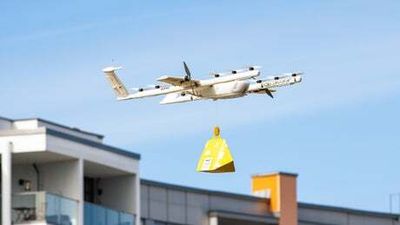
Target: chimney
{"type": "Point", "coordinates": [280, 188]}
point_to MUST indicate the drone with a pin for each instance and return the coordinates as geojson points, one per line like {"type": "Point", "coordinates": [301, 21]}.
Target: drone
{"type": "Point", "coordinates": [228, 85]}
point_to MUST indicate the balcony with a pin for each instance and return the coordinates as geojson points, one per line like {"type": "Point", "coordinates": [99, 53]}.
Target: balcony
{"type": "Point", "coordinates": [46, 208]}
{"type": "Point", "coordinates": [100, 215]}
{"type": "Point", "coordinates": [43, 208]}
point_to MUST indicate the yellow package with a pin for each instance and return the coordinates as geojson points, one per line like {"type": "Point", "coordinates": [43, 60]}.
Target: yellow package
{"type": "Point", "coordinates": [216, 156]}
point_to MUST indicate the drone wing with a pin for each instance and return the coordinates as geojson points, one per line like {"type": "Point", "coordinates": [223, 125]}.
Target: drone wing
{"type": "Point", "coordinates": [235, 75]}
{"type": "Point", "coordinates": [177, 81]}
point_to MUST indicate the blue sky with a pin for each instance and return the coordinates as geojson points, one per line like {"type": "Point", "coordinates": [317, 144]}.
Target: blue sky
{"type": "Point", "coordinates": [338, 130]}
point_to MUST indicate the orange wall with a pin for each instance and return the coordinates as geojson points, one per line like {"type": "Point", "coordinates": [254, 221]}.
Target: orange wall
{"type": "Point", "coordinates": [270, 184]}
{"type": "Point", "coordinates": [282, 193]}
{"type": "Point", "coordinates": [289, 201]}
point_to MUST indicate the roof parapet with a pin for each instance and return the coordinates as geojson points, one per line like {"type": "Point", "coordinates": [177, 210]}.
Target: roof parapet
{"type": "Point", "coordinates": [35, 123]}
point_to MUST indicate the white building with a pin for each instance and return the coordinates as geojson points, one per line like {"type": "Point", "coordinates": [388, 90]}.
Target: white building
{"type": "Point", "coordinates": [53, 174]}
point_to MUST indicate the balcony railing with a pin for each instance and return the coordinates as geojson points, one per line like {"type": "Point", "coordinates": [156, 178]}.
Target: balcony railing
{"type": "Point", "coordinates": [43, 207]}
{"type": "Point", "coordinates": [100, 215]}
{"type": "Point", "coordinates": [61, 211]}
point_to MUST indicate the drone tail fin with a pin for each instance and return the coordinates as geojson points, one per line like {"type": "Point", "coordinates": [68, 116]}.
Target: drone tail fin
{"type": "Point", "coordinates": [116, 84]}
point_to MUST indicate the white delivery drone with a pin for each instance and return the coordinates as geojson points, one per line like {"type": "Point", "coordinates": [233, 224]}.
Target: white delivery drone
{"type": "Point", "coordinates": [234, 84]}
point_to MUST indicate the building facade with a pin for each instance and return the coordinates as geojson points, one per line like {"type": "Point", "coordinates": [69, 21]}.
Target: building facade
{"type": "Point", "coordinates": [54, 174]}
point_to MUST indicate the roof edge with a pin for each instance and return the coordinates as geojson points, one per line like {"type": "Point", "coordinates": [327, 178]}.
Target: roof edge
{"type": "Point", "coordinates": [275, 173]}
{"type": "Point", "coordinates": [62, 126]}
{"type": "Point", "coordinates": [349, 210]}
{"type": "Point", "coordinates": [200, 190]}
{"type": "Point", "coordinates": [93, 144]}
{"type": "Point", "coordinates": [4, 118]}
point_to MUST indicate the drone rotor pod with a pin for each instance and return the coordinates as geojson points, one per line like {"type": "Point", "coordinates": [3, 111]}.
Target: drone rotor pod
{"type": "Point", "coordinates": [216, 156]}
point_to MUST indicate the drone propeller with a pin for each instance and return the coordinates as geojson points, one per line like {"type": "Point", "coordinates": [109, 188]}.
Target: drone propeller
{"type": "Point", "coordinates": [188, 74]}
{"type": "Point", "coordinates": [268, 92]}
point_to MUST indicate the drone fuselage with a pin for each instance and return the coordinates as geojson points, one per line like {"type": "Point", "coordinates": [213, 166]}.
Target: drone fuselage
{"type": "Point", "coordinates": [233, 89]}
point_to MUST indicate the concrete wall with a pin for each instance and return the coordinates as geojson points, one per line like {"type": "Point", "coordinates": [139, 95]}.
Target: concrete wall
{"type": "Point", "coordinates": [30, 141]}
{"type": "Point", "coordinates": [62, 178]}
{"type": "Point", "coordinates": [25, 124]}
{"type": "Point", "coordinates": [118, 193]}
{"type": "Point", "coordinates": [92, 154]}
{"type": "Point", "coordinates": [25, 172]}
{"type": "Point", "coordinates": [58, 178]}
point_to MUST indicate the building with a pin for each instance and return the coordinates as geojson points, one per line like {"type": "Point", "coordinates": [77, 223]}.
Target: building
{"type": "Point", "coordinates": [53, 174]}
